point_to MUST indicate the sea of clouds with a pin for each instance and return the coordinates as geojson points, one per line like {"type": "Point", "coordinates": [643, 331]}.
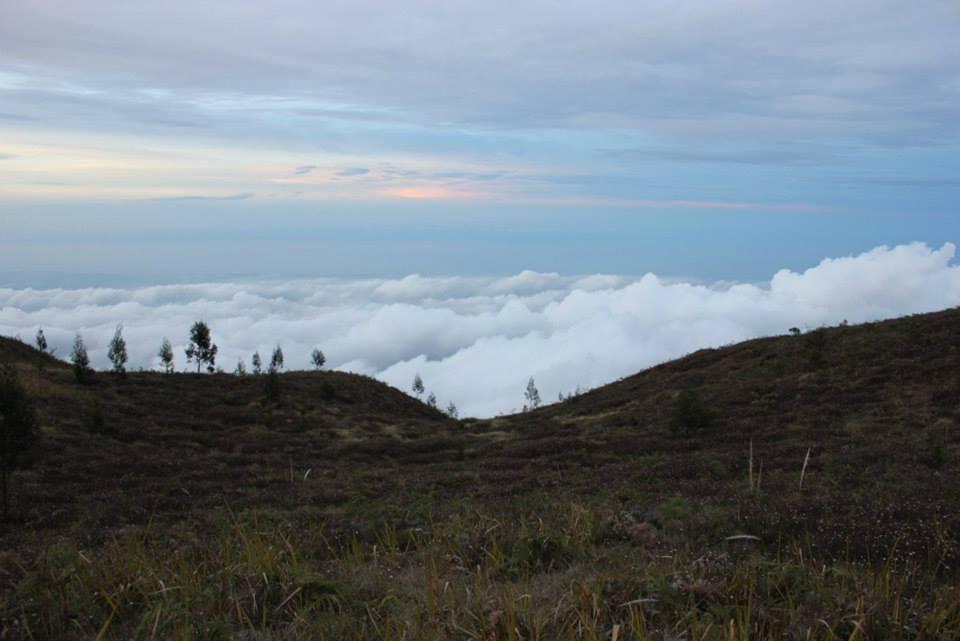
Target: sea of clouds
{"type": "Point", "coordinates": [476, 341]}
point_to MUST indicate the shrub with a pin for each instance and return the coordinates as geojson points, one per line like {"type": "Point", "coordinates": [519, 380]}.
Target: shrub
{"type": "Point", "coordinates": [18, 424]}
{"type": "Point", "coordinates": [272, 387]}
{"type": "Point", "coordinates": [96, 424]}
{"type": "Point", "coordinates": [815, 346]}
{"type": "Point", "coordinates": [690, 414]}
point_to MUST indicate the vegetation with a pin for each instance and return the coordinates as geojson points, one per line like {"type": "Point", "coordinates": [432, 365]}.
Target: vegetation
{"type": "Point", "coordinates": [256, 364]}
{"type": "Point", "coordinates": [318, 359]}
{"type": "Point", "coordinates": [532, 396]}
{"type": "Point", "coordinates": [201, 347]}
{"type": "Point", "coordinates": [417, 386]}
{"type": "Point", "coordinates": [352, 511]}
{"type": "Point", "coordinates": [271, 388]}
{"type": "Point", "coordinates": [689, 414]}
{"type": "Point", "coordinates": [166, 356]}
{"type": "Point", "coordinates": [80, 360]}
{"type": "Point", "coordinates": [117, 351]}
{"type": "Point", "coordinates": [17, 429]}
{"type": "Point", "coordinates": [41, 341]}
{"type": "Point", "coordinates": [276, 360]}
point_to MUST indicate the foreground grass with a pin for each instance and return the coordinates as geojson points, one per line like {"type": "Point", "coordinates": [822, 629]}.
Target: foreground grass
{"type": "Point", "coordinates": [560, 571]}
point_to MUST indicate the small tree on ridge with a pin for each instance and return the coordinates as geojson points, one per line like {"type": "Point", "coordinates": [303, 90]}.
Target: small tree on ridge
{"type": "Point", "coordinates": [201, 347]}
{"type": "Point", "coordinates": [417, 386]}
{"type": "Point", "coordinates": [117, 352]}
{"type": "Point", "coordinates": [80, 360]}
{"type": "Point", "coordinates": [166, 356]}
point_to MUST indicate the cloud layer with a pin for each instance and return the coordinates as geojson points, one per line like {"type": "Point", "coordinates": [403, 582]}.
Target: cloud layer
{"type": "Point", "coordinates": [475, 341]}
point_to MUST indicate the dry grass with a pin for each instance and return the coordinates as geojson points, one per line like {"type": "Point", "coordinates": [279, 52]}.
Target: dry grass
{"type": "Point", "coordinates": [192, 515]}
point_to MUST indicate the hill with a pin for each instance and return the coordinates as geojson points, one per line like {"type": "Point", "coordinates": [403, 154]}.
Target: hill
{"type": "Point", "coordinates": [347, 509]}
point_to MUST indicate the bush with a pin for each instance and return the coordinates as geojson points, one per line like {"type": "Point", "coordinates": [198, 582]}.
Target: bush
{"type": "Point", "coordinates": [815, 346]}
{"type": "Point", "coordinates": [18, 425]}
{"type": "Point", "coordinates": [690, 414]}
{"type": "Point", "coordinates": [96, 423]}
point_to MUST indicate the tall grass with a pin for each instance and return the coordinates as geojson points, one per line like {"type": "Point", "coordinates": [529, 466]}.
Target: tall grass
{"type": "Point", "coordinates": [560, 571]}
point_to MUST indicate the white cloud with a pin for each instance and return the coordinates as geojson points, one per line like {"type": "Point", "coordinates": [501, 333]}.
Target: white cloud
{"type": "Point", "coordinates": [475, 341]}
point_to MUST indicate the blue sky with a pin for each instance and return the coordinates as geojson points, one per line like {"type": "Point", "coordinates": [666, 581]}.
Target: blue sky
{"type": "Point", "coordinates": [153, 142]}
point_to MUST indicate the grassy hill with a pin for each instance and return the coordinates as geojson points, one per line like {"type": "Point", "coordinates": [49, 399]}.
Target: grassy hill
{"type": "Point", "coordinates": [191, 506]}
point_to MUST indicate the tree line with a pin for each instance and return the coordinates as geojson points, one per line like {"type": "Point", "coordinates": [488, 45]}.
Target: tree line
{"type": "Point", "coordinates": [200, 350]}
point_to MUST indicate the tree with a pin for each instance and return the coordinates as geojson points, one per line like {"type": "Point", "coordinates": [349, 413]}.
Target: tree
{"type": "Point", "coordinates": [532, 394]}
{"type": "Point", "coordinates": [417, 386]}
{"type": "Point", "coordinates": [432, 400]}
{"type": "Point", "coordinates": [452, 411]}
{"type": "Point", "coordinates": [80, 360]}
{"type": "Point", "coordinates": [117, 352]}
{"type": "Point", "coordinates": [166, 356]}
{"type": "Point", "coordinates": [41, 341]}
{"type": "Point", "coordinates": [256, 364]}
{"type": "Point", "coordinates": [18, 423]}
{"type": "Point", "coordinates": [241, 368]}
{"type": "Point", "coordinates": [276, 360]}
{"type": "Point", "coordinates": [318, 358]}
{"type": "Point", "coordinates": [201, 347]}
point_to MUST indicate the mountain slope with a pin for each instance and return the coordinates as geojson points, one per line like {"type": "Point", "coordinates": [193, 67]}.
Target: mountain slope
{"type": "Point", "coordinates": [343, 508]}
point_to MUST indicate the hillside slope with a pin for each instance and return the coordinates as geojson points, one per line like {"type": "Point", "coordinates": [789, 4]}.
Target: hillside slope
{"type": "Point", "coordinates": [872, 403]}
{"type": "Point", "coordinates": [347, 509]}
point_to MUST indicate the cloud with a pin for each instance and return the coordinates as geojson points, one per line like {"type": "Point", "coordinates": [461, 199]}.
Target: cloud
{"type": "Point", "coordinates": [475, 341]}
{"type": "Point", "coordinates": [863, 69]}
{"type": "Point", "coordinates": [353, 171]}
{"type": "Point", "coordinates": [781, 156]}
{"type": "Point", "coordinates": [303, 170]}
{"type": "Point", "coordinates": [241, 196]}
{"type": "Point", "coordinates": [4, 156]}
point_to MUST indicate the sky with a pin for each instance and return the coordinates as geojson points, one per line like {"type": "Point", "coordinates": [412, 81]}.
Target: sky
{"type": "Point", "coordinates": [147, 142]}
{"type": "Point", "coordinates": [475, 191]}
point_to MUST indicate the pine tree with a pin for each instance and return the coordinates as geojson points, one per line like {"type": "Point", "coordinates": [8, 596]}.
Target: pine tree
{"type": "Point", "coordinates": [41, 341]}
{"type": "Point", "coordinates": [432, 400]}
{"type": "Point", "coordinates": [117, 352]}
{"type": "Point", "coordinates": [256, 364]}
{"type": "Point", "coordinates": [166, 356]}
{"type": "Point", "coordinates": [80, 360]}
